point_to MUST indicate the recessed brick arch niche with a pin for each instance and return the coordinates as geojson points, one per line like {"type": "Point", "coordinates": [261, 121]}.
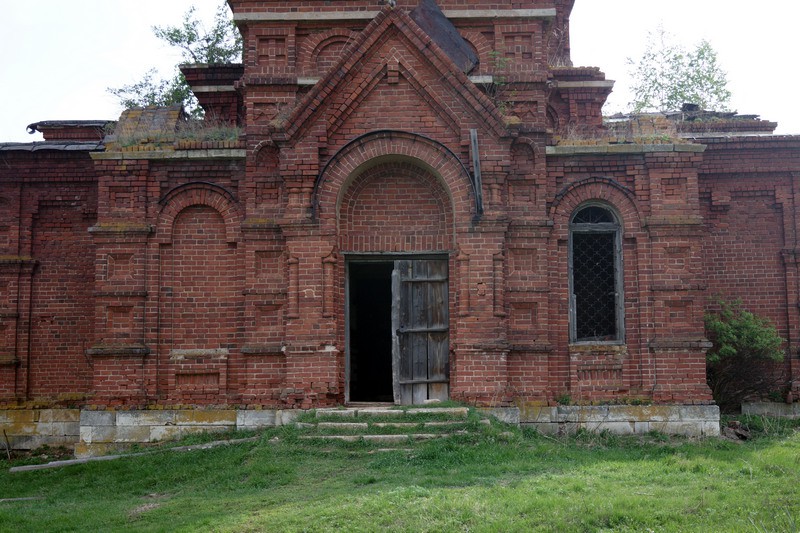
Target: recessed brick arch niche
{"type": "Point", "coordinates": [391, 192]}
{"type": "Point", "coordinates": [200, 296]}
{"type": "Point", "coordinates": [395, 206]}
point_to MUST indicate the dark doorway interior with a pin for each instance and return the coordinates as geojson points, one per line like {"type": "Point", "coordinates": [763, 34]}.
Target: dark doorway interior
{"type": "Point", "coordinates": [370, 323]}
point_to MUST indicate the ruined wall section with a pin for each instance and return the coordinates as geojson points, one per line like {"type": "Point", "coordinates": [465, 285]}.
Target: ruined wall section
{"type": "Point", "coordinates": [748, 193]}
{"type": "Point", "coordinates": [47, 203]}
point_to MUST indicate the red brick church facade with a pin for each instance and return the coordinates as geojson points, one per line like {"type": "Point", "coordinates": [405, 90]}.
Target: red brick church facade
{"type": "Point", "coordinates": [404, 217]}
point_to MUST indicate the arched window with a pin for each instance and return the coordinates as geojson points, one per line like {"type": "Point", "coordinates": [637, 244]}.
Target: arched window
{"type": "Point", "coordinates": [595, 276]}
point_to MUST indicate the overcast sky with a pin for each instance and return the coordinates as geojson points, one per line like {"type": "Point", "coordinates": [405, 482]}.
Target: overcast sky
{"type": "Point", "coordinates": [58, 57]}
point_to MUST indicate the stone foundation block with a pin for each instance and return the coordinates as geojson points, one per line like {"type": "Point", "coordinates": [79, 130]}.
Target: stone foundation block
{"type": "Point", "coordinates": [206, 418]}
{"type": "Point", "coordinates": [98, 418]}
{"type": "Point", "coordinates": [59, 415]}
{"type": "Point", "coordinates": [509, 415]}
{"type": "Point", "coordinates": [94, 434]}
{"type": "Point", "coordinates": [287, 417]}
{"type": "Point", "coordinates": [689, 420]}
{"type": "Point", "coordinates": [145, 418]}
{"type": "Point", "coordinates": [162, 433]}
{"type": "Point", "coordinates": [256, 419]}
{"type": "Point", "coordinates": [772, 409]}
{"type": "Point", "coordinates": [28, 429]}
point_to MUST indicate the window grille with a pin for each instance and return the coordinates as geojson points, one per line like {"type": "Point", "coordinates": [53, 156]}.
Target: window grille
{"type": "Point", "coordinates": [595, 282]}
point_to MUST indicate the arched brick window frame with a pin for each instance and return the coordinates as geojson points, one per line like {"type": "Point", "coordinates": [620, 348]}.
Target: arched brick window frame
{"type": "Point", "coordinates": [596, 283]}
{"type": "Point", "coordinates": [626, 226]}
{"type": "Point", "coordinates": [482, 46]}
{"type": "Point", "coordinates": [553, 119]}
{"type": "Point", "coordinates": [380, 147]}
{"type": "Point", "coordinates": [316, 43]}
{"type": "Point", "coordinates": [199, 193]}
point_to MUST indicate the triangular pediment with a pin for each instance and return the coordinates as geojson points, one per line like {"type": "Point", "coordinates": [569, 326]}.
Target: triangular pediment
{"type": "Point", "coordinates": [393, 76]}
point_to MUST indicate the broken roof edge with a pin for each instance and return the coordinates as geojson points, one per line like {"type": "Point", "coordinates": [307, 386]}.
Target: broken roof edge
{"type": "Point", "coordinates": [37, 126]}
{"type": "Point", "coordinates": [61, 146]}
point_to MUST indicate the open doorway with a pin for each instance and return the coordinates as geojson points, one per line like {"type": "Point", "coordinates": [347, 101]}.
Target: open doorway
{"type": "Point", "coordinates": [370, 331]}
{"type": "Point", "coordinates": [397, 330]}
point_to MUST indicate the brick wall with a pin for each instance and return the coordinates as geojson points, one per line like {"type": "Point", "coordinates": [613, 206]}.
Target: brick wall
{"type": "Point", "coordinates": [48, 201]}
{"type": "Point", "coordinates": [162, 273]}
{"type": "Point", "coordinates": [63, 283]}
{"type": "Point", "coordinates": [749, 205]}
{"type": "Point", "coordinates": [396, 208]}
{"type": "Point", "coordinates": [200, 308]}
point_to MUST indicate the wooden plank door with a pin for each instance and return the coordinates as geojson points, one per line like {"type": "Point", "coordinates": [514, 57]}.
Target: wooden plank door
{"type": "Point", "coordinates": [420, 322]}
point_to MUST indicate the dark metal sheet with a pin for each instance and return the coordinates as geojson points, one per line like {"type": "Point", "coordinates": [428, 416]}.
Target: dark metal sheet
{"type": "Point", "coordinates": [430, 18]}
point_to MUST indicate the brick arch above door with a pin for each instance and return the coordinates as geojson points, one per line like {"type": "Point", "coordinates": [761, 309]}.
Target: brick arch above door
{"type": "Point", "coordinates": [393, 207]}
{"type": "Point", "coordinates": [381, 147]}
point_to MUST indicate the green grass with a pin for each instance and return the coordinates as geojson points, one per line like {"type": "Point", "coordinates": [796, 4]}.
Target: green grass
{"type": "Point", "coordinates": [480, 482]}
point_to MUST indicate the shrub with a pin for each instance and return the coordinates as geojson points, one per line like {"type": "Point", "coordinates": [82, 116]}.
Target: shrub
{"type": "Point", "coordinates": [739, 362]}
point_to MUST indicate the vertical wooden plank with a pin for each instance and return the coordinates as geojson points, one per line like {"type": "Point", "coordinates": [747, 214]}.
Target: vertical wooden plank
{"type": "Point", "coordinates": [420, 310]}
{"type": "Point", "coordinates": [404, 393]}
{"type": "Point", "coordinates": [395, 335]}
{"type": "Point", "coordinates": [438, 365]}
{"type": "Point", "coordinates": [438, 342]}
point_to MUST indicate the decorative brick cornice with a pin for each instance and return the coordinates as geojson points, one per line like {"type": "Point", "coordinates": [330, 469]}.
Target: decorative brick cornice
{"type": "Point", "coordinates": [617, 149]}
{"type": "Point", "coordinates": [336, 16]}
{"type": "Point", "coordinates": [121, 228]}
{"type": "Point", "coordinates": [118, 350]}
{"type": "Point", "coordinates": [183, 154]}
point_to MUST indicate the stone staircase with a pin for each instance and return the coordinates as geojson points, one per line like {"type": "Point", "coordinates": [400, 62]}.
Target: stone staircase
{"type": "Point", "coordinates": [391, 427]}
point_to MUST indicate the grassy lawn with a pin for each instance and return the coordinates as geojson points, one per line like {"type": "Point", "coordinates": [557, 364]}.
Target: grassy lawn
{"type": "Point", "coordinates": [488, 481]}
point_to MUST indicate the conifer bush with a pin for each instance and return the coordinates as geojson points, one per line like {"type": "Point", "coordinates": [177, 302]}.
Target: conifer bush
{"type": "Point", "coordinates": [740, 363]}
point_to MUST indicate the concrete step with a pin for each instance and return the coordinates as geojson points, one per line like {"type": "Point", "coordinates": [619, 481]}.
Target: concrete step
{"type": "Point", "coordinates": [364, 426]}
{"type": "Point", "coordinates": [382, 439]}
{"type": "Point", "coordinates": [385, 425]}
{"type": "Point", "coordinates": [354, 412]}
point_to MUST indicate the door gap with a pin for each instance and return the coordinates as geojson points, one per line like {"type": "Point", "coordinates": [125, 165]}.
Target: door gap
{"type": "Point", "coordinates": [370, 331]}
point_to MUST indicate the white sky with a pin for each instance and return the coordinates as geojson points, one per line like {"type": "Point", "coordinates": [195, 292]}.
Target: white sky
{"type": "Point", "coordinates": [57, 57]}
{"type": "Point", "coordinates": [757, 44]}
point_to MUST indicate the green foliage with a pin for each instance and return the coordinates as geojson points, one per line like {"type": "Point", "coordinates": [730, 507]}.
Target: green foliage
{"type": "Point", "coordinates": [222, 43]}
{"type": "Point", "coordinates": [667, 76]}
{"type": "Point", "coordinates": [154, 91]}
{"type": "Point", "coordinates": [738, 333]}
{"type": "Point", "coordinates": [742, 346]}
{"type": "Point", "coordinates": [495, 90]}
{"type": "Point", "coordinates": [564, 399]}
{"type": "Point", "coordinates": [208, 129]}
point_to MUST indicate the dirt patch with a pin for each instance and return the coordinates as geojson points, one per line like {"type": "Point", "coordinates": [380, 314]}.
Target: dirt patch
{"type": "Point", "coordinates": [45, 454]}
{"type": "Point", "coordinates": [154, 503]}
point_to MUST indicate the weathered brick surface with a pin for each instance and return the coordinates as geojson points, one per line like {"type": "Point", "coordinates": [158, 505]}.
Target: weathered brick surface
{"type": "Point", "coordinates": [158, 273]}
{"type": "Point", "coordinates": [749, 199]}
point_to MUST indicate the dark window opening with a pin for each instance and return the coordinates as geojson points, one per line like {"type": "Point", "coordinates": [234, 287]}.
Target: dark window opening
{"type": "Point", "coordinates": [595, 269]}
{"type": "Point", "coordinates": [593, 215]}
